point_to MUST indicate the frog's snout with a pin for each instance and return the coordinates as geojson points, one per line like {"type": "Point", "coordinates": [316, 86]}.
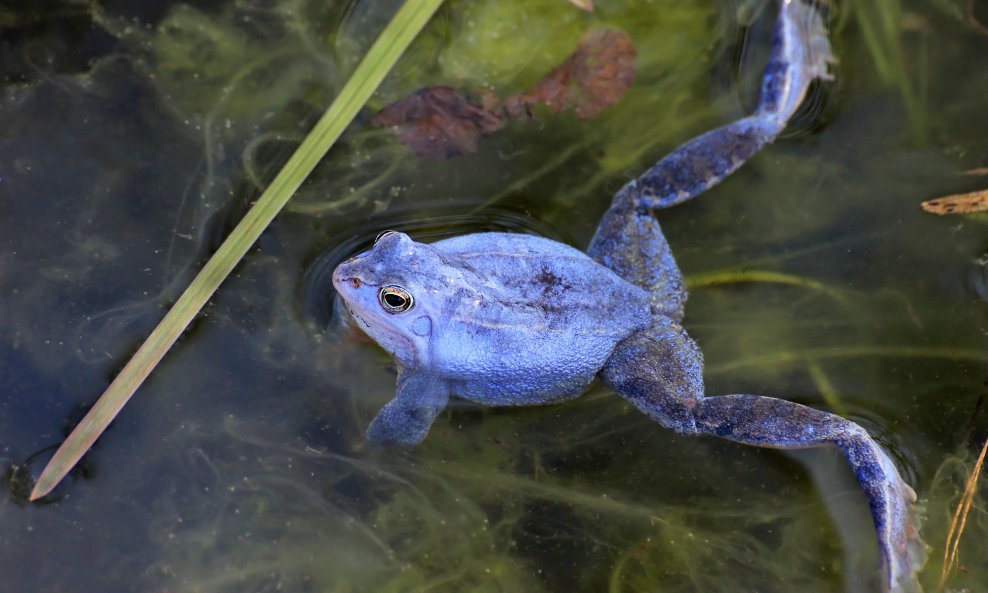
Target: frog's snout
{"type": "Point", "coordinates": [356, 272]}
{"type": "Point", "coordinates": [342, 277]}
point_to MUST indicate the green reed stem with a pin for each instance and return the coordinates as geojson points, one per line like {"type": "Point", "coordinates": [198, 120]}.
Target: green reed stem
{"type": "Point", "coordinates": [382, 56]}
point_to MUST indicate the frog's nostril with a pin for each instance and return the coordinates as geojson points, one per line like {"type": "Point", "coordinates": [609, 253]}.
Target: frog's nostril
{"type": "Point", "coordinates": [355, 282]}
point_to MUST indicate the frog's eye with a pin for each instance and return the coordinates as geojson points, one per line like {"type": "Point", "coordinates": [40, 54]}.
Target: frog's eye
{"type": "Point", "coordinates": [395, 299]}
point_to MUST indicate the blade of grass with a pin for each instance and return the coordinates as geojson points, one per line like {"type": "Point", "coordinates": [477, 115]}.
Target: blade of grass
{"type": "Point", "coordinates": [726, 277]}
{"type": "Point", "coordinates": [826, 388]}
{"type": "Point", "coordinates": [382, 56]}
{"type": "Point", "coordinates": [883, 29]}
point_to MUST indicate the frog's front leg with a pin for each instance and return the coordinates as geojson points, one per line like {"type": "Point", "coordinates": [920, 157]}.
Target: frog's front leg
{"type": "Point", "coordinates": [629, 241]}
{"type": "Point", "coordinates": [406, 419]}
{"type": "Point", "coordinates": [660, 371]}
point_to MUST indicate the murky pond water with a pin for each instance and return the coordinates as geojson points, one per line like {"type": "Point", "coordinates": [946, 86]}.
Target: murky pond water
{"type": "Point", "coordinates": [133, 136]}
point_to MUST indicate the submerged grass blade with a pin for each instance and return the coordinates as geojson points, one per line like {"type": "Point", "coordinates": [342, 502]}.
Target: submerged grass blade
{"type": "Point", "coordinates": [884, 28]}
{"type": "Point", "coordinates": [382, 56]}
{"type": "Point", "coordinates": [959, 520]}
{"type": "Point", "coordinates": [727, 277]}
{"type": "Point", "coordinates": [826, 388]}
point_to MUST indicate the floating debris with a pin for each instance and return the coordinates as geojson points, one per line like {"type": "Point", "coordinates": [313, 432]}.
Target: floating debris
{"type": "Point", "coordinates": [958, 520]}
{"type": "Point", "coordinates": [976, 201]}
{"type": "Point", "coordinates": [441, 121]}
{"type": "Point", "coordinates": [595, 77]}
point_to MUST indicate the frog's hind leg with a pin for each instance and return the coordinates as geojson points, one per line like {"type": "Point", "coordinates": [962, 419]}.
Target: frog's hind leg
{"type": "Point", "coordinates": [629, 241]}
{"type": "Point", "coordinates": [800, 54]}
{"type": "Point", "coordinates": [660, 371]}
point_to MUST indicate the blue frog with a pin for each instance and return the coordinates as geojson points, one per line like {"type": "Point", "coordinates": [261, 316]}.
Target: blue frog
{"type": "Point", "coordinates": [508, 319]}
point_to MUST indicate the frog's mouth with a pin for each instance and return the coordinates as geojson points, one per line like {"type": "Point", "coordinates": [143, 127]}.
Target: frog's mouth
{"type": "Point", "coordinates": [390, 339]}
{"type": "Point", "coordinates": [350, 317]}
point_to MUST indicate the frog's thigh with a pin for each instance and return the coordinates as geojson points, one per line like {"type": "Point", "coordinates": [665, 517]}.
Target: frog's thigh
{"type": "Point", "coordinates": [631, 244]}
{"type": "Point", "coordinates": [660, 371]}
{"type": "Point", "coordinates": [406, 419]}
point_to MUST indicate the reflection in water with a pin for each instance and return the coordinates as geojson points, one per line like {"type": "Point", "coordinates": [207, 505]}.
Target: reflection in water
{"type": "Point", "coordinates": [241, 465]}
{"type": "Point", "coordinates": [978, 278]}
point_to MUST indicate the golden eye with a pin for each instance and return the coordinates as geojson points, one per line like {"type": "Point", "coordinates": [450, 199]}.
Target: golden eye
{"type": "Point", "coordinates": [395, 299]}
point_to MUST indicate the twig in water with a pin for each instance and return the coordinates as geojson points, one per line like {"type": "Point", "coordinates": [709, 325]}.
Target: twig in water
{"type": "Point", "coordinates": [959, 521]}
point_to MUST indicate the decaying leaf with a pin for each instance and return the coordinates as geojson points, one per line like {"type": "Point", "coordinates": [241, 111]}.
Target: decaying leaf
{"type": "Point", "coordinates": [444, 122]}
{"type": "Point", "coordinates": [976, 201]}
{"type": "Point", "coordinates": [441, 121]}
{"type": "Point", "coordinates": [594, 77]}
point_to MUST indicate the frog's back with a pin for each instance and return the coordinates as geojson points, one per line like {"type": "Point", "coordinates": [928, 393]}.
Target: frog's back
{"type": "Point", "coordinates": [550, 316]}
{"type": "Point", "coordinates": [571, 288]}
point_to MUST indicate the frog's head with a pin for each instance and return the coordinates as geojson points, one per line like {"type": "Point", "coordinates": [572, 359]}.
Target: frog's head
{"type": "Point", "coordinates": [395, 291]}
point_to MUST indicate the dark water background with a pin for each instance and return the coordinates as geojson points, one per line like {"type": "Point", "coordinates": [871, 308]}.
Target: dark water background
{"type": "Point", "coordinates": [133, 135]}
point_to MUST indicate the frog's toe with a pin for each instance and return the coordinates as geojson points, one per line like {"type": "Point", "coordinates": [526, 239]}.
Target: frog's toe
{"type": "Point", "coordinates": [821, 58]}
{"type": "Point", "coordinates": [817, 54]}
{"type": "Point", "coordinates": [903, 551]}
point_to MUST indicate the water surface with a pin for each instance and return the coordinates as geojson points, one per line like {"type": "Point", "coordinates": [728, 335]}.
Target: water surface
{"type": "Point", "coordinates": [132, 137]}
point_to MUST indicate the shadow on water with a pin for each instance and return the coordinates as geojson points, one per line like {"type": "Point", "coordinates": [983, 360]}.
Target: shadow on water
{"type": "Point", "coordinates": [132, 136]}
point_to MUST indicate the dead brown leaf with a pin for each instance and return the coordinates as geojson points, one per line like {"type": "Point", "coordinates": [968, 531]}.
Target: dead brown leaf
{"type": "Point", "coordinates": [976, 201]}
{"type": "Point", "coordinates": [441, 121]}
{"type": "Point", "coordinates": [593, 78]}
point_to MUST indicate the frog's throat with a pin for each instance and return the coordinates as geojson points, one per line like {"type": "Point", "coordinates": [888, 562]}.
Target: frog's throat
{"type": "Point", "coordinates": [394, 342]}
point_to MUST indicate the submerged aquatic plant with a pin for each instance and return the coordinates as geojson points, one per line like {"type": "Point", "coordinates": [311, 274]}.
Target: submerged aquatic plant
{"type": "Point", "coordinates": [899, 49]}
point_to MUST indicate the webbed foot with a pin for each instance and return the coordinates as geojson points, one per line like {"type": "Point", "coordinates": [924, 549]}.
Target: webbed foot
{"type": "Point", "coordinates": [780, 424]}
{"type": "Point", "coordinates": [800, 54]}
{"type": "Point", "coordinates": [907, 553]}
